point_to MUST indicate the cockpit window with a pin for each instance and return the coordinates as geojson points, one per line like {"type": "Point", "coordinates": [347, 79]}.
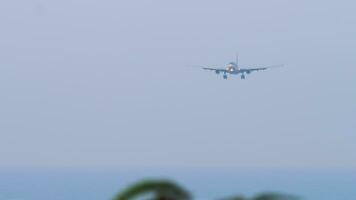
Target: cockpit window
{"type": "Point", "coordinates": [232, 64]}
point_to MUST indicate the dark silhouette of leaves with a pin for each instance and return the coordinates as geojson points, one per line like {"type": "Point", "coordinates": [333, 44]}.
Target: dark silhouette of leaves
{"type": "Point", "coordinates": [161, 190]}
{"type": "Point", "coordinates": [234, 198]}
{"type": "Point", "coordinates": [167, 190]}
{"type": "Point", "coordinates": [265, 196]}
{"type": "Point", "coordinates": [275, 196]}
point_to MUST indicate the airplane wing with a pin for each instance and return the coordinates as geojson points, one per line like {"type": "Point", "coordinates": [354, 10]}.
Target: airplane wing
{"type": "Point", "coordinates": [217, 70]}
{"type": "Point", "coordinates": [253, 69]}
{"type": "Point", "coordinates": [249, 70]}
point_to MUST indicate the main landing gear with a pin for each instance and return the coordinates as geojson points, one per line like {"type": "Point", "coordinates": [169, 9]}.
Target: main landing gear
{"type": "Point", "coordinates": [243, 76]}
{"type": "Point", "coordinates": [225, 76]}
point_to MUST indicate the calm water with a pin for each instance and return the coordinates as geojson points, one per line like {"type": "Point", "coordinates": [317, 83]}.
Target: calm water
{"type": "Point", "coordinates": [96, 184]}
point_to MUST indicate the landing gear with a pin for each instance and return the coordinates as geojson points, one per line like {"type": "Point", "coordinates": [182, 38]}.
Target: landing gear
{"type": "Point", "coordinates": [243, 76]}
{"type": "Point", "coordinates": [225, 76]}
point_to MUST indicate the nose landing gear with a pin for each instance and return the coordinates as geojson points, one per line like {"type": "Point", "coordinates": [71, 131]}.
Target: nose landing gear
{"type": "Point", "coordinates": [243, 76]}
{"type": "Point", "coordinates": [225, 76]}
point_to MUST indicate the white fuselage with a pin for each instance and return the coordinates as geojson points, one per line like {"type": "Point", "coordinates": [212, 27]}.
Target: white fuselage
{"type": "Point", "coordinates": [232, 68]}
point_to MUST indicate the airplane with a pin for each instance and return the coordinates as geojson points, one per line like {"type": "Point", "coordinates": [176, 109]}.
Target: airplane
{"type": "Point", "coordinates": [234, 69]}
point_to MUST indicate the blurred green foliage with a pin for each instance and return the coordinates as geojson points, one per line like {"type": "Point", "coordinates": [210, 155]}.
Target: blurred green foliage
{"type": "Point", "coordinates": [159, 189]}
{"type": "Point", "coordinates": [168, 190]}
{"type": "Point", "coordinates": [265, 196]}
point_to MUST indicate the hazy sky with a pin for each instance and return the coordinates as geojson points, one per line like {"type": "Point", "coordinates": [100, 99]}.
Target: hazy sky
{"type": "Point", "coordinates": [113, 83]}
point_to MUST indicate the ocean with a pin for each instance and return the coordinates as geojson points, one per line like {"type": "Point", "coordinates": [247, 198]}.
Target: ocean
{"type": "Point", "coordinates": [204, 183]}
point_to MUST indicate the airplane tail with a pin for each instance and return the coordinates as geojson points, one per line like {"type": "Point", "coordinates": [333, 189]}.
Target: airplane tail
{"type": "Point", "coordinates": [237, 61]}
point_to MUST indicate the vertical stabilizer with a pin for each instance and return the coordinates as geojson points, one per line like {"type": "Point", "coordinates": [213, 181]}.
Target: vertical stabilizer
{"type": "Point", "coordinates": [237, 61]}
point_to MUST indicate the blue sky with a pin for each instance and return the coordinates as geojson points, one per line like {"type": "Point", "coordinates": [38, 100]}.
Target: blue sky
{"type": "Point", "coordinates": [114, 83]}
